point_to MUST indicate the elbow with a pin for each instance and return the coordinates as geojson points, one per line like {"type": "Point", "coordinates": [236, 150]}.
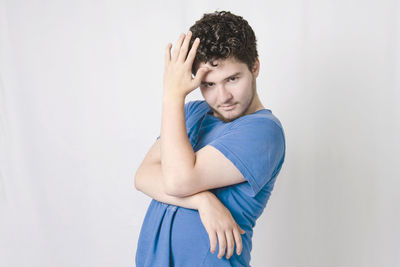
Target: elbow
{"type": "Point", "coordinates": [176, 187]}
{"type": "Point", "coordinates": [137, 182]}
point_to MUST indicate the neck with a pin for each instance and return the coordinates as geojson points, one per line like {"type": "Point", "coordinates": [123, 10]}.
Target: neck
{"type": "Point", "coordinates": [256, 105]}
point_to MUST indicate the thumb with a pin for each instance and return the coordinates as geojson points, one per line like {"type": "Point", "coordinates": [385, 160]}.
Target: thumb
{"type": "Point", "coordinates": [242, 231]}
{"type": "Point", "coordinates": [199, 75]}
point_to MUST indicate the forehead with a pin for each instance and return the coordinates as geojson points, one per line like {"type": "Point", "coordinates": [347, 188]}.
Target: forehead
{"type": "Point", "coordinates": [223, 69]}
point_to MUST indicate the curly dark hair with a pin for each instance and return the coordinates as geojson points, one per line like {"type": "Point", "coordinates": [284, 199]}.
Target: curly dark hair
{"type": "Point", "coordinates": [223, 35]}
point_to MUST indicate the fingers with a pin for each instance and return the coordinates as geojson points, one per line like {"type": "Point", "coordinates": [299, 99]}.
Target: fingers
{"type": "Point", "coordinates": [242, 231]}
{"type": "Point", "coordinates": [168, 54]}
{"type": "Point", "coordinates": [213, 241]}
{"type": "Point", "coordinates": [199, 76]}
{"type": "Point", "coordinates": [222, 244]}
{"type": "Point", "coordinates": [230, 244]}
{"type": "Point", "coordinates": [177, 47]}
{"type": "Point", "coordinates": [184, 48]}
{"type": "Point", "coordinates": [227, 241]}
{"type": "Point", "coordinates": [192, 52]}
{"type": "Point", "coordinates": [238, 240]}
{"type": "Point", "coordinates": [180, 52]}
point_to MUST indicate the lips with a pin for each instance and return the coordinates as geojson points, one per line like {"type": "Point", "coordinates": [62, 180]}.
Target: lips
{"type": "Point", "coordinates": [228, 107]}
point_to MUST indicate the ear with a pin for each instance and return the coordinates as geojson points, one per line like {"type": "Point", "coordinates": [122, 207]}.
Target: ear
{"type": "Point", "coordinates": [256, 67]}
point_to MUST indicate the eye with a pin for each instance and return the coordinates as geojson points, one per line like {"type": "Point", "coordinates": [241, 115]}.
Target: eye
{"type": "Point", "coordinates": [233, 78]}
{"type": "Point", "coordinates": [207, 85]}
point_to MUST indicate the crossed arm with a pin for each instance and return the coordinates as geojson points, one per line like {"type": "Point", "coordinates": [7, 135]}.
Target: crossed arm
{"type": "Point", "coordinates": [215, 217]}
{"type": "Point", "coordinates": [149, 180]}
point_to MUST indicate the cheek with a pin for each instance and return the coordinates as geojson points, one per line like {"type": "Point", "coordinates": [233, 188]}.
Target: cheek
{"type": "Point", "coordinates": [242, 89]}
{"type": "Point", "coordinates": [208, 95]}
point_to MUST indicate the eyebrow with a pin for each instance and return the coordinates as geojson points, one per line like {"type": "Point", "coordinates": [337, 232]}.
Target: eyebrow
{"type": "Point", "coordinates": [230, 76]}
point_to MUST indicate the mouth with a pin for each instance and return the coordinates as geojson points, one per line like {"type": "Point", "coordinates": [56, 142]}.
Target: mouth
{"type": "Point", "coordinates": [229, 107]}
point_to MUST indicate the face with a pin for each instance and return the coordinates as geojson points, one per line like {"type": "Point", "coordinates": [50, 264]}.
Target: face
{"type": "Point", "coordinates": [230, 88]}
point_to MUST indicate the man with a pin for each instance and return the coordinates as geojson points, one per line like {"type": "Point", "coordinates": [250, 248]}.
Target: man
{"type": "Point", "coordinates": [213, 168]}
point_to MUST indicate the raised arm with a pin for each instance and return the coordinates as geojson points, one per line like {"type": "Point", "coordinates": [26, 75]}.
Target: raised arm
{"type": "Point", "coordinates": [186, 172]}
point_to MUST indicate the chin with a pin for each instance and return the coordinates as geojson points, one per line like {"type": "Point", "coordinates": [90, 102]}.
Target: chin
{"type": "Point", "coordinates": [229, 116]}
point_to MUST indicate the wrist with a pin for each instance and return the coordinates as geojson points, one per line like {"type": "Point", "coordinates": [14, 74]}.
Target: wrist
{"type": "Point", "coordinates": [173, 97]}
{"type": "Point", "coordinates": [204, 199]}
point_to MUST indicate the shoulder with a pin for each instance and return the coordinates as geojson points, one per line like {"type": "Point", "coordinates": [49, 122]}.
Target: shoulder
{"type": "Point", "coordinates": [262, 122]}
{"type": "Point", "coordinates": [196, 108]}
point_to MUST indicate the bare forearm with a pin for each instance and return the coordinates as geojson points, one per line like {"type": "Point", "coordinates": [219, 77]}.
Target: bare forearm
{"type": "Point", "coordinates": [177, 155]}
{"type": "Point", "coordinates": [148, 180]}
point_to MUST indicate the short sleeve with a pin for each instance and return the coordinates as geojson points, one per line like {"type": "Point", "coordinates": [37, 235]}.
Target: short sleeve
{"type": "Point", "coordinates": [256, 148]}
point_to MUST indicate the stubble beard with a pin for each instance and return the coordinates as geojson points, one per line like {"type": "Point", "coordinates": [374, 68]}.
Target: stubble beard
{"type": "Point", "coordinates": [253, 93]}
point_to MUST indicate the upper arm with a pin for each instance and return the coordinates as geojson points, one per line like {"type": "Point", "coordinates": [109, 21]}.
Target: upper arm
{"type": "Point", "coordinates": [154, 153]}
{"type": "Point", "coordinates": [252, 153]}
{"type": "Point", "coordinates": [211, 170]}
{"type": "Point", "coordinates": [152, 157]}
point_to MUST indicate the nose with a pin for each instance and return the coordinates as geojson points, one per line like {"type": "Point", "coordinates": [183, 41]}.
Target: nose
{"type": "Point", "coordinates": [224, 95]}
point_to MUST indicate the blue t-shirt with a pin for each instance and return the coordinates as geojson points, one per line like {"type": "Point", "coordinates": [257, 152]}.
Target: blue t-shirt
{"type": "Point", "coordinates": [255, 143]}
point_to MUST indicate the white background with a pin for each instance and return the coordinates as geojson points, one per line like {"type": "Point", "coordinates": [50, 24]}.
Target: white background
{"type": "Point", "coordinates": [80, 105]}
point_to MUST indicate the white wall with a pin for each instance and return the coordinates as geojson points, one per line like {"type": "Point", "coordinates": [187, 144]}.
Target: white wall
{"type": "Point", "coordinates": [80, 105]}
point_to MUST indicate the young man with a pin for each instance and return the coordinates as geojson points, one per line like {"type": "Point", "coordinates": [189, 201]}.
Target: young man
{"type": "Point", "coordinates": [213, 168]}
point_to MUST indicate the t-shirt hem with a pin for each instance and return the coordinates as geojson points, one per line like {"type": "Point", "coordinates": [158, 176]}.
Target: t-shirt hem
{"type": "Point", "coordinates": [239, 164]}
